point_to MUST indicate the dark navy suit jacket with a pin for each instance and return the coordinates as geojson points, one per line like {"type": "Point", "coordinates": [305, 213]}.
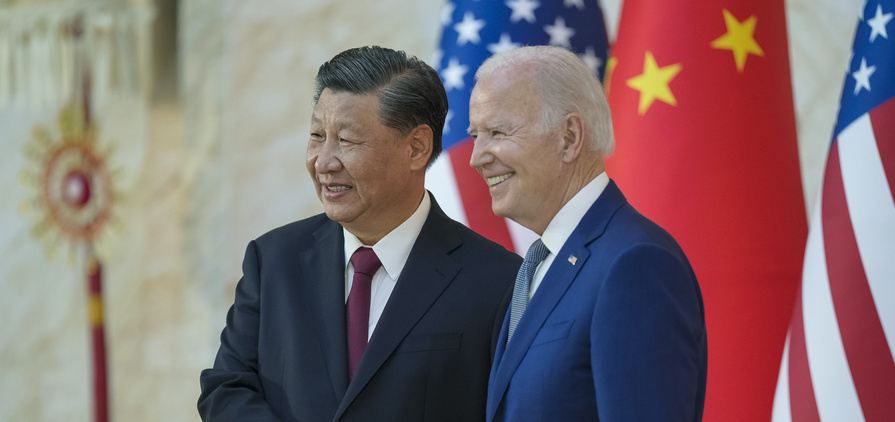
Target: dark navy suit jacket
{"type": "Point", "coordinates": [283, 351]}
{"type": "Point", "coordinates": [615, 332]}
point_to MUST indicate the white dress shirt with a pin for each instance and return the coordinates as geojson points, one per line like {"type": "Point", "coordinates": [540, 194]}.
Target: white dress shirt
{"type": "Point", "coordinates": [564, 223]}
{"type": "Point", "coordinates": [392, 250]}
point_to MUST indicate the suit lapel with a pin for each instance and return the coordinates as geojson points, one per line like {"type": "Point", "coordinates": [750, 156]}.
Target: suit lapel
{"type": "Point", "coordinates": [427, 273]}
{"type": "Point", "coordinates": [556, 282]}
{"type": "Point", "coordinates": [324, 278]}
{"type": "Point", "coordinates": [493, 398]}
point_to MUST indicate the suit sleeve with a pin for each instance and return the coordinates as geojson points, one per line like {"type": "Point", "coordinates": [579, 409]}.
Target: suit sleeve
{"type": "Point", "coordinates": [648, 338]}
{"type": "Point", "coordinates": [231, 390]}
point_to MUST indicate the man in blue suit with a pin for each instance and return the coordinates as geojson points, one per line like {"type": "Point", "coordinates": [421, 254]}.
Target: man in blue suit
{"type": "Point", "coordinates": [610, 324]}
{"type": "Point", "coordinates": [316, 335]}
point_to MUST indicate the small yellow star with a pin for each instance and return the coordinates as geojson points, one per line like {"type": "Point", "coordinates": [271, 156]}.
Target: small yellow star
{"type": "Point", "coordinates": [739, 39]}
{"type": "Point", "coordinates": [653, 83]}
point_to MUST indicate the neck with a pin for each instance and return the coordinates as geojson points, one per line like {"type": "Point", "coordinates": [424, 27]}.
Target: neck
{"type": "Point", "coordinates": [397, 215]}
{"type": "Point", "coordinates": [580, 176]}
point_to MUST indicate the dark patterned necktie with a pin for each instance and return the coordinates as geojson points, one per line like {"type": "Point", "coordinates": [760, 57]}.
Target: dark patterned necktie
{"type": "Point", "coordinates": [357, 310]}
{"type": "Point", "coordinates": [536, 253]}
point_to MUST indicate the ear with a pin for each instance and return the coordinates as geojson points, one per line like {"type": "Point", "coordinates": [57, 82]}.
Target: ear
{"type": "Point", "coordinates": [420, 147]}
{"type": "Point", "coordinates": [573, 141]}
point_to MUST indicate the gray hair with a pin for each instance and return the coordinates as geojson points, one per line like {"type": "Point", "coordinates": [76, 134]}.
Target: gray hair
{"type": "Point", "coordinates": [565, 85]}
{"type": "Point", "coordinates": [409, 90]}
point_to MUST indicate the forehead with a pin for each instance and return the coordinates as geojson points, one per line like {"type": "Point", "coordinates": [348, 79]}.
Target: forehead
{"type": "Point", "coordinates": [346, 108]}
{"type": "Point", "coordinates": [506, 91]}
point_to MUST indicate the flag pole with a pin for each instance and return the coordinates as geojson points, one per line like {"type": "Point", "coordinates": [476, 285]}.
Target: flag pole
{"type": "Point", "coordinates": [94, 266]}
{"type": "Point", "coordinates": [97, 329]}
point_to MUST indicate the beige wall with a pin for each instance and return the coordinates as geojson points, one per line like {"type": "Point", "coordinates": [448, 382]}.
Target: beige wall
{"type": "Point", "coordinates": [201, 176]}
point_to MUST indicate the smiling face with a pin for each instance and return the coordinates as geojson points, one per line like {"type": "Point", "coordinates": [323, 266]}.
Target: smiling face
{"type": "Point", "coordinates": [366, 174]}
{"type": "Point", "coordinates": [520, 159]}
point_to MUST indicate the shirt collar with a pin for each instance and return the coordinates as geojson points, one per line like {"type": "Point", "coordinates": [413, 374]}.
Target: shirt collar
{"type": "Point", "coordinates": [566, 220]}
{"type": "Point", "coordinates": [394, 248]}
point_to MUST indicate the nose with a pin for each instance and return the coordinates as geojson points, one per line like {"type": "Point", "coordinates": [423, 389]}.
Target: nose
{"type": "Point", "coordinates": [481, 154]}
{"type": "Point", "coordinates": [325, 157]}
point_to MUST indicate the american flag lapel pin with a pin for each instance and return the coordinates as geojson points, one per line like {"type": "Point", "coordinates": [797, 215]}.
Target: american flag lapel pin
{"type": "Point", "coordinates": [573, 259]}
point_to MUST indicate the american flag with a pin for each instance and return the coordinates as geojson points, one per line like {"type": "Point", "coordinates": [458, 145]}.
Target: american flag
{"type": "Point", "coordinates": [838, 361]}
{"type": "Point", "coordinates": [472, 31]}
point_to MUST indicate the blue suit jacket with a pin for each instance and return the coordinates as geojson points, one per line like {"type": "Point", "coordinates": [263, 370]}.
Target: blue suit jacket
{"type": "Point", "coordinates": [615, 331]}
{"type": "Point", "coordinates": [283, 351]}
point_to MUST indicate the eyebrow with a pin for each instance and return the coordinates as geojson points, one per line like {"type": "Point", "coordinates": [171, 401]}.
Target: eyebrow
{"type": "Point", "coordinates": [340, 123]}
{"type": "Point", "coordinates": [494, 126]}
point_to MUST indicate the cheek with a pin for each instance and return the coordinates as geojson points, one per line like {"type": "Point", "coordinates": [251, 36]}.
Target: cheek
{"type": "Point", "coordinates": [309, 164]}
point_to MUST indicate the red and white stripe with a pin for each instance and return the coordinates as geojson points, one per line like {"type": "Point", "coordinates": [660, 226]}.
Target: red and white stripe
{"type": "Point", "coordinates": [838, 361]}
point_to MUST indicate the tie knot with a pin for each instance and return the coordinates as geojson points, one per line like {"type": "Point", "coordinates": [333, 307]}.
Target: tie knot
{"type": "Point", "coordinates": [536, 252]}
{"type": "Point", "coordinates": [365, 261]}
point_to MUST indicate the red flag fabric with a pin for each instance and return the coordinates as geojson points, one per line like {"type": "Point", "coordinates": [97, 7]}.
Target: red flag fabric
{"type": "Point", "coordinates": [706, 147]}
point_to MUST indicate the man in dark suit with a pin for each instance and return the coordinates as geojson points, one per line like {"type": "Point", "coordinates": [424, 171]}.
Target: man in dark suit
{"type": "Point", "coordinates": [607, 320]}
{"type": "Point", "coordinates": [305, 340]}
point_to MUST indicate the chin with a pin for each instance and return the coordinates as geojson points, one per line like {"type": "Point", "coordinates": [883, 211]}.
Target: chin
{"type": "Point", "coordinates": [334, 213]}
{"type": "Point", "coordinates": [499, 211]}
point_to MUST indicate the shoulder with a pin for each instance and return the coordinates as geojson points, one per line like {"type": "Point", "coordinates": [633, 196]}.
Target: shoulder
{"type": "Point", "coordinates": [298, 234]}
{"type": "Point", "coordinates": [613, 217]}
{"type": "Point", "coordinates": [481, 247]}
{"type": "Point", "coordinates": [613, 229]}
{"type": "Point", "coordinates": [636, 249]}
{"type": "Point", "coordinates": [640, 230]}
{"type": "Point", "coordinates": [465, 244]}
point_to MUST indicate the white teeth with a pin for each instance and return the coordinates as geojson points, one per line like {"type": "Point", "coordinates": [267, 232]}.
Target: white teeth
{"type": "Point", "coordinates": [338, 188]}
{"type": "Point", "coordinates": [497, 179]}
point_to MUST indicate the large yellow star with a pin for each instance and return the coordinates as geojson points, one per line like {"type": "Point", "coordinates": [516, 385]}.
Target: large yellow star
{"type": "Point", "coordinates": [739, 39]}
{"type": "Point", "coordinates": [653, 83]}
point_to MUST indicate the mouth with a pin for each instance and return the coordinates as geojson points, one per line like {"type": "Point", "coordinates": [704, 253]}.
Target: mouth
{"type": "Point", "coordinates": [331, 188]}
{"type": "Point", "coordinates": [492, 181]}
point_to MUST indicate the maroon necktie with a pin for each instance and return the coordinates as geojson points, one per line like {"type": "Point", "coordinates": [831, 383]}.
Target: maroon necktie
{"type": "Point", "coordinates": [357, 310]}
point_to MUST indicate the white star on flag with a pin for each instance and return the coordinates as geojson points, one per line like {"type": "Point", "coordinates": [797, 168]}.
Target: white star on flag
{"type": "Point", "coordinates": [560, 34]}
{"type": "Point", "coordinates": [447, 13]}
{"type": "Point", "coordinates": [862, 76]}
{"type": "Point", "coordinates": [437, 55]}
{"type": "Point", "coordinates": [577, 3]}
{"type": "Point", "coordinates": [453, 75]}
{"type": "Point", "coordinates": [447, 122]}
{"type": "Point", "coordinates": [505, 44]}
{"type": "Point", "coordinates": [468, 29]}
{"type": "Point", "coordinates": [590, 58]}
{"type": "Point", "coordinates": [523, 9]}
{"type": "Point", "coordinates": [878, 23]}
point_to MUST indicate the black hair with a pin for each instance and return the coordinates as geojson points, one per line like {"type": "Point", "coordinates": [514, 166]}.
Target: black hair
{"type": "Point", "coordinates": [409, 90]}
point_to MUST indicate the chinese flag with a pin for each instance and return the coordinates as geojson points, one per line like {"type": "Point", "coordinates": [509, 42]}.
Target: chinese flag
{"type": "Point", "coordinates": [706, 147]}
